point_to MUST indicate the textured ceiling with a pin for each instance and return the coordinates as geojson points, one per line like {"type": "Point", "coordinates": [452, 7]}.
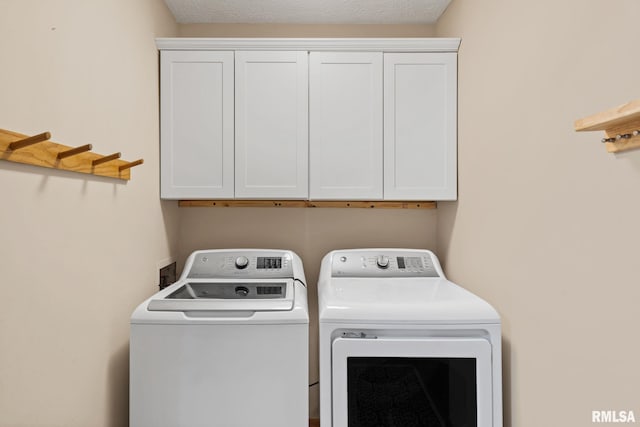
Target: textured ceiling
{"type": "Point", "coordinates": [308, 11]}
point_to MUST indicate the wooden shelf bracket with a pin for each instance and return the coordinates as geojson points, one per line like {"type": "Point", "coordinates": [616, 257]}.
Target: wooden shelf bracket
{"type": "Point", "coordinates": [621, 126]}
{"type": "Point", "coordinates": [39, 151]}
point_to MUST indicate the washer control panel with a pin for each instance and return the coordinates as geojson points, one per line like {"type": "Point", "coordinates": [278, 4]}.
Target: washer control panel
{"type": "Point", "coordinates": [382, 264]}
{"type": "Point", "coordinates": [246, 264]}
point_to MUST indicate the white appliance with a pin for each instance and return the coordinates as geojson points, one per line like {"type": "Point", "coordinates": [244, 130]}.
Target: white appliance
{"type": "Point", "coordinates": [400, 345]}
{"type": "Point", "coordinates": [224, 346]}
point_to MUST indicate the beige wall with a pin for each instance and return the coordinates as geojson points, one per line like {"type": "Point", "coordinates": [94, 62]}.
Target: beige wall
{"type": "Point", "coordinates": [546, 226]}
{"type": "Point", "coordinates": [77, 252]}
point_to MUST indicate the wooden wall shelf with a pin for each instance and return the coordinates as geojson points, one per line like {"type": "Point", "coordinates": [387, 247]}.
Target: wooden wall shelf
{"type": "Point", "coordinates": [39, 151]}
{"type": "Point", "coordinates": [621, 126]}
{"type": "Point", "coordinates": [305, 204]}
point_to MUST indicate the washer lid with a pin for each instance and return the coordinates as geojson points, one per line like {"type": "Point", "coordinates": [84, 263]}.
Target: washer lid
{"type": "Point", "coordinates": [231, 295]}
{"type": "Point", "coordinates": [401, 300]}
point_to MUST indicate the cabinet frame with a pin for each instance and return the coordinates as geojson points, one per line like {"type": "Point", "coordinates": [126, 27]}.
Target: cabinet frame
{"type": "Point", "coordinates": [420, 126]}
{"type": "Point", "coordinates": [284, 166]}
{"type": "Point", "coordinates": [177, 138]}
{"type": "Point", "coordinates": [358, 167]}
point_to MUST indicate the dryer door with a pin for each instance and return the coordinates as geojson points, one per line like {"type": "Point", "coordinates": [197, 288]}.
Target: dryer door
{"type": "Point", "coordinates": [425, 382]}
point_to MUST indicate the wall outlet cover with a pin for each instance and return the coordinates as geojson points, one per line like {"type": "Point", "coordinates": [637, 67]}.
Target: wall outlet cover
{"type": "Point", "coordinates": [167, 275]}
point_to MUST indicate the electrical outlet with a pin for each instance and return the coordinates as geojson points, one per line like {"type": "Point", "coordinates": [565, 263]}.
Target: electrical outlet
{"type": "Point", "coordinates": [167, 275]}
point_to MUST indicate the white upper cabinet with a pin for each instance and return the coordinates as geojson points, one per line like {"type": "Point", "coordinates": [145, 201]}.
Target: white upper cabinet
{"type": "Point", "coordinates": [345, 90]}
{"type": "Point", "coordinates": [271, 122]}
{"type": "Point", "coordinates": [196, 124]}
{"type": "Point", "coordinates": [420, 97]}
{"type": "Point", "coordinates": [319, 119]}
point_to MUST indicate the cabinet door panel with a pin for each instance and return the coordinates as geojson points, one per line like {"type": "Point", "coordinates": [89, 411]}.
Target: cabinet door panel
{"type": "Point", "coordinates": [271, 125]}
{"type": "Point", "coordinates": [420, 126]}
{"type": "Point", "coordinates": [345, 125]}
{"type": "Point", "coordinates": [196, 124]}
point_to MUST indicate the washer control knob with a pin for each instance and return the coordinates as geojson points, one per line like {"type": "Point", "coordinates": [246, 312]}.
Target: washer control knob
{"type": "Point", "coordinates": [242, 291]}
{"type": "Point", "coordinates": [383, 261]}
{"type": "Point", "coordinates": [242, 262]}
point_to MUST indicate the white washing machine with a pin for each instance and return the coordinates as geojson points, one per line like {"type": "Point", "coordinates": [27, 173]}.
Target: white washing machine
{"type": "Point", "coordinates": [400, 345]}
{"type": "Point", "coordinates": [224, 346]}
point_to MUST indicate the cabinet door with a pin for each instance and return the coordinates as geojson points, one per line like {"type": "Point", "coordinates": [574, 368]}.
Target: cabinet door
{"type": "Point", "coordinates": [272, 132]}
{"type": "Point", "coordinates": [420, 97]}
{"type": "Point", "coordinates": [345, 125]}
{"type": "Point", "coordinates": [196, 89]}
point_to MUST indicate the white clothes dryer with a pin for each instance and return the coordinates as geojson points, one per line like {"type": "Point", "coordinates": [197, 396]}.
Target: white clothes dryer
{"type": "Point", "coordinates": [400, 345]}
{"type": "Point", "coordinates": [224, 346]}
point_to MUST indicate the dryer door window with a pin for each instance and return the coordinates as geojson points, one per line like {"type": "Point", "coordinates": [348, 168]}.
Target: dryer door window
{"type": "Point", "coordinates": [429, 382]}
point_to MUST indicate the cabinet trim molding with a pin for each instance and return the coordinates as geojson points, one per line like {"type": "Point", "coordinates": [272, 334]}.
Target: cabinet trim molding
{"type": "Point", "coordinates": [355, 204]}
{"type": "Point", "coordinates": [314, 44]}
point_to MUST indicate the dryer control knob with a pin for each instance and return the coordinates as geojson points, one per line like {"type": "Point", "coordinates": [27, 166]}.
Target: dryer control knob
{"type": "Point", "coordinates": [242, 262]}
{"type": "Point", "coordinates": [383, 261]}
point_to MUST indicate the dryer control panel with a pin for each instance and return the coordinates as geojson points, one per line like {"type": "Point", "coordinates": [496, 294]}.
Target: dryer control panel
{"type": "Point", "coordinates": [382, 263]}
{"type": "Point", "coordinates": [246, 264]}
